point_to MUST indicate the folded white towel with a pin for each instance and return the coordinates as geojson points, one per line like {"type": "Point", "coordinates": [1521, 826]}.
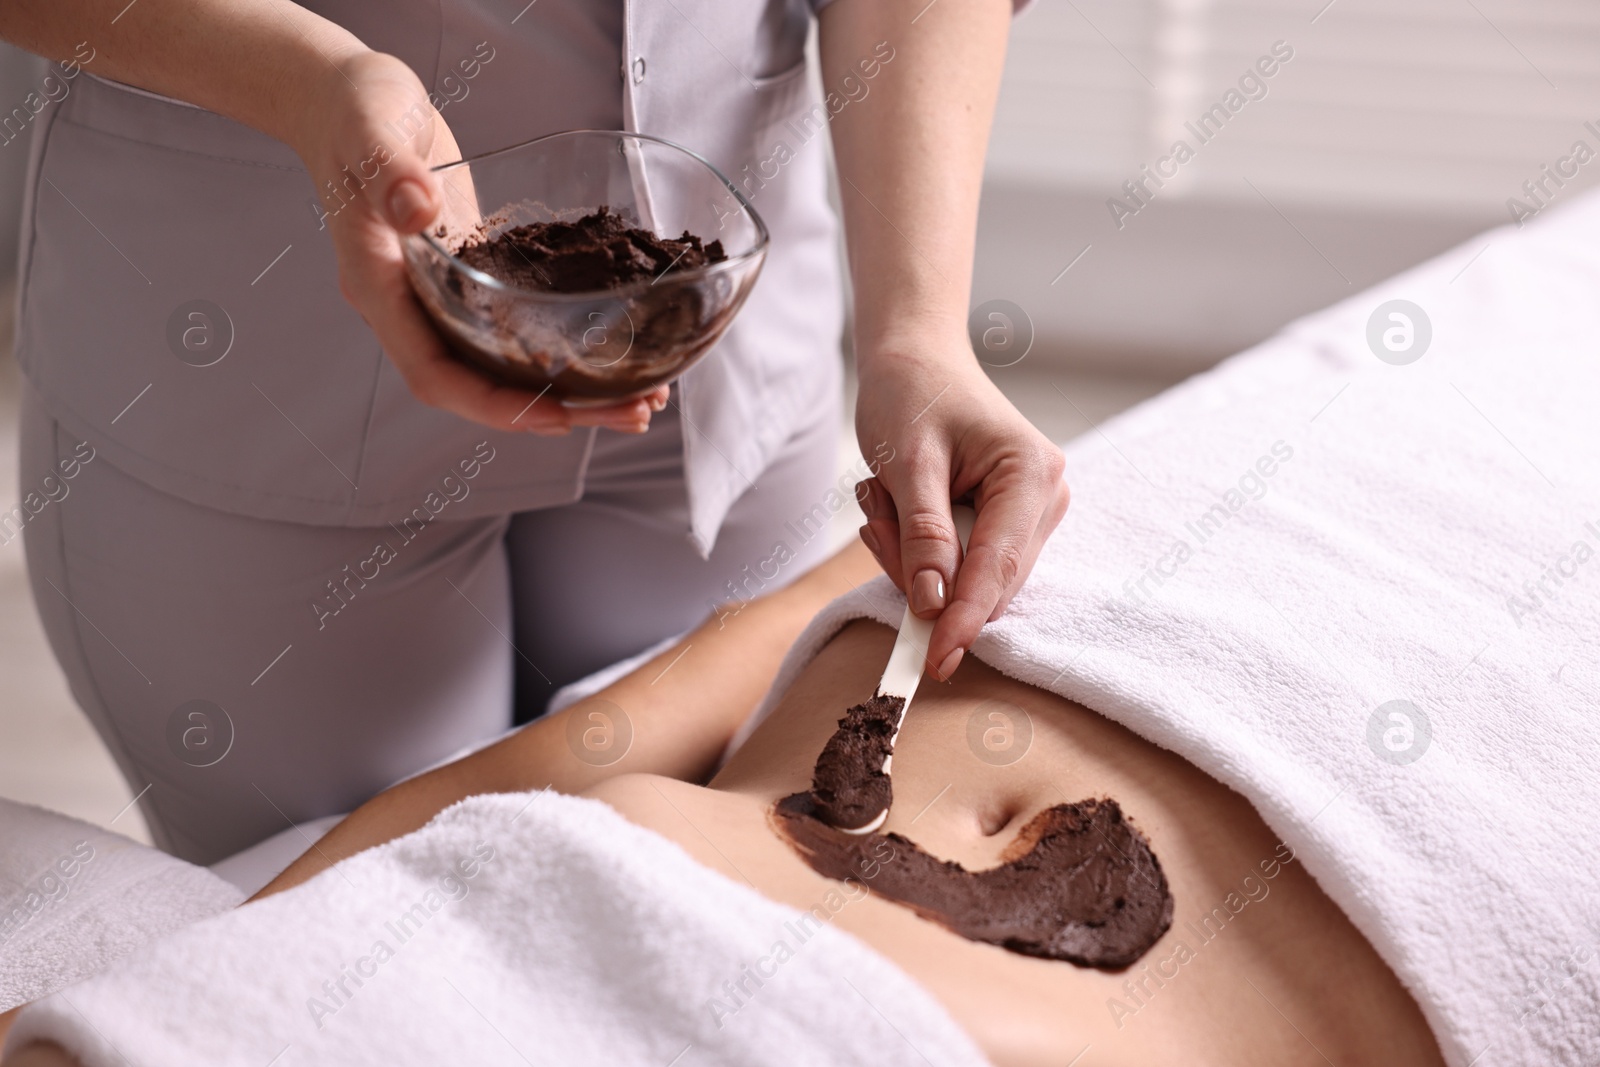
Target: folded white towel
{"type": "Point", "coordinates": [74, 898]}
{"type": "Point", "coordinates": [1259, 561]}
{"type": "Point", "coordinates": [513, 929]}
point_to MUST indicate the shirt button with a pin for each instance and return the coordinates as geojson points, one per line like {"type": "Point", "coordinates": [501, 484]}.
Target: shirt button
{"type": "Point", "coordinates": [638, 70]}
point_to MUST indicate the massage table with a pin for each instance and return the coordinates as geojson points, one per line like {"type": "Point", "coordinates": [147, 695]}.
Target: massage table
{"type": "Point", "coordinates": [1349, 573]}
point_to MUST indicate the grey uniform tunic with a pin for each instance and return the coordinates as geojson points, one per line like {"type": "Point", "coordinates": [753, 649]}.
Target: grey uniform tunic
{"type": "Point", "coordinates": [217, 552]}
{"type": "Point", "coordinates": [140, 206]}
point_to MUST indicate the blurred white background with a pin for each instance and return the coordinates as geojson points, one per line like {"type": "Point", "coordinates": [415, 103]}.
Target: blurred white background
{"type": "Point", "coordinates": [1398, 129]}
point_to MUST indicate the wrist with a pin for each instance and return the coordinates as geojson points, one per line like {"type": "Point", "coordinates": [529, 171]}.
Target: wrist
{"type": "Point", "coordinates": [908, 317]}
{"type": "Point", "coordinates": [309, 53]}
{"type": "Point", "coordinates": [922, 351]}
{"type": "Point", "coordinates": [332, 115]}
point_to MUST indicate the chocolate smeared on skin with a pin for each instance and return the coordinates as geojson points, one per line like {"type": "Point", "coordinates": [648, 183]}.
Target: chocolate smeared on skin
{"type": "Point", "coordinates": [848, 787]}
{"type": "Point", "coordinates": [1079, 883]}
{"type": "Point", "coordinates": [598, 251]}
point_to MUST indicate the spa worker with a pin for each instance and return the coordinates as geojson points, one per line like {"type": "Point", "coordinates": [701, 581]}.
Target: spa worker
{"type": "Point", "coordinates": [304, 552]}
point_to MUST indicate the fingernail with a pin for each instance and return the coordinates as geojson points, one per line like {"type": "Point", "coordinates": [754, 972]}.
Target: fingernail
{"type": "Point", "coordinates": [870, 539]}
{"type": "Point", "coordinates": [868, 502]}
{"type": "Point", "coordinates": [927, 593]}
{"type": "Point", "coordinates": [882, 503]}
{"type": "Point", "coordinates": [951, 662]}
{"type": "Point", "coordinates": [627, 419]}
{"type": "Point", "coordinates": [407, 200]}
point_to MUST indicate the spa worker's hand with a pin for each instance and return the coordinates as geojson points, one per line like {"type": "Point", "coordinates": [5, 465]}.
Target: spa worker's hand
{"type": "Point", "coordinates": [379, 126]}
{"type": "Point", "coordinates": [361, 122]}
{"type": "Point", "coordinates": [953, 435]}
{"type": "Point", "coordinates": [920, 81]}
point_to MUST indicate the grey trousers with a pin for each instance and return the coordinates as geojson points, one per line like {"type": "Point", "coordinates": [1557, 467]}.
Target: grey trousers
{"type": "Point", "coordinates": [246, 674]}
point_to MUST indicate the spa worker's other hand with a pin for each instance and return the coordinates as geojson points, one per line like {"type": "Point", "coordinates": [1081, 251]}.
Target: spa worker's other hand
{"type": "Point", "coordinates": [378, 125]}
{"type": "Point", "coordinates": [953, 434]}
{"type": "Point", "coordinates": [911, 91]}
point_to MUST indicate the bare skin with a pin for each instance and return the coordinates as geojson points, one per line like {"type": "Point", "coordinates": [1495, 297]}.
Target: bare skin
{"type": "Point", "coordinates": [1284, 981]}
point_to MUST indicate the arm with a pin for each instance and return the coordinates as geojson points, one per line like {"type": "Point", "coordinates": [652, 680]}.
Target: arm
{"type": "Point", "coordinates": [262, 62]}
{"type": "Point", "coordinates": [683, 706]}
{"type": "Point", "coordinates": [910, 158]}
{"type": "Point", "coordinates": [306, 81]}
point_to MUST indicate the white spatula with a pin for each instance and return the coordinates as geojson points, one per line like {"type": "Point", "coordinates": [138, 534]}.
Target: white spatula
{"type": "Point", "coordinates": [908, 658]}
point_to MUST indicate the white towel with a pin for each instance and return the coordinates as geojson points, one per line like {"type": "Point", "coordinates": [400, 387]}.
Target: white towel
{"type": "Point", "coordinates": [1434, 538]}
{"type": "Point", "coordinates": [74, 898]}
{"type": "Point", "coordinates": [513, 929]}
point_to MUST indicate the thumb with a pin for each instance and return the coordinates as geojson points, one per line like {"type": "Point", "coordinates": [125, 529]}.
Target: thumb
{"type": "Point", "coordinates": [929, 548]}
{"type": "Point", "coordinates": [401, 185]}
{"type": "Point", "coordinates": [409, 199]}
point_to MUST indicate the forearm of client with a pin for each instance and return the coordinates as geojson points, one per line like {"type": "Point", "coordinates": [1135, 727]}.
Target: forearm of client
{"type": "Point", "coordinates": [683, 706]}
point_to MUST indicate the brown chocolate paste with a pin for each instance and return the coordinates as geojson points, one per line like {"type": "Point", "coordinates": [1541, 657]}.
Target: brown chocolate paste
{"type": "Point", "coordinates": [1079, 882]}
{"type": "Point", "coordinates": [848, 787]}
{"type": "Point", "coordinates": [652, 332]}
{"type": "Point", "coordinates": [599, 251]}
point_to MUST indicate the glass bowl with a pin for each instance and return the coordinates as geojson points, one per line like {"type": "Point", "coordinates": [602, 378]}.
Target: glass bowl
{"type": "Point", "coordinates": [596, 346]}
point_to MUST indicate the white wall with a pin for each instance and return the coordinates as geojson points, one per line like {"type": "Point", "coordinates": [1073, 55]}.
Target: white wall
{"type": "Point", "coordinates": [1398, 128]}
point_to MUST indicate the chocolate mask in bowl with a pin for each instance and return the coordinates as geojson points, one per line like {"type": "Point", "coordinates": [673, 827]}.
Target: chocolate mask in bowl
{"type": "Point", "coordinates": [595, 301]}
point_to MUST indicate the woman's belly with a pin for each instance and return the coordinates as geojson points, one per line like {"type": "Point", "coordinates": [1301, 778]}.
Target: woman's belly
{"type": "Point", "coordinates": [1257, 967]}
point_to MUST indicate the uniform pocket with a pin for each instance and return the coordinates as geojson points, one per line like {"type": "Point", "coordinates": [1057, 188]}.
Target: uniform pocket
{"type": "Point", "coordinates": [146, 93]}
{"type": "Point", "coordinates": [770, 81]}
{"type": "Point", "coordinates": [139, 115]}
{"type": "Point", "coordinates": [780, 127]}
{"type": "Point", "coordinates": [180, 307]}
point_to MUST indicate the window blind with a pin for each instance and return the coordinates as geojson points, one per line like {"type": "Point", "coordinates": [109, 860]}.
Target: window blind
{"type": "Point", "coordinates": [1452, 104]}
